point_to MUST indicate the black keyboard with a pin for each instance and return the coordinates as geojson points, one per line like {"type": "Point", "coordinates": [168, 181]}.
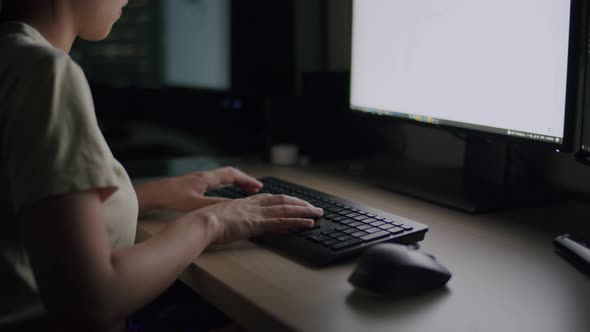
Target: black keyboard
{"type": "Point", "coordinates": [343, 231]}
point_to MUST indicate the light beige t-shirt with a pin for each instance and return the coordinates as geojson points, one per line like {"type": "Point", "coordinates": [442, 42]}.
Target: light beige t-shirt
{"type": "Point", "coordinates": [50, 144]}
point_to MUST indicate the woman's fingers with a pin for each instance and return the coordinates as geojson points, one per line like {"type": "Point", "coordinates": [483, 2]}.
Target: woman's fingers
{"type": "Point", "coordinates": [291, 211]}
{"type": "Point", "coordinates": [270, 200]}
{"type": "Point", "coordinates": [264, 213]}
{"type": "Point", "coordinates": [283, 225]}
{"type": "Point", "coordinates": [230, 175]}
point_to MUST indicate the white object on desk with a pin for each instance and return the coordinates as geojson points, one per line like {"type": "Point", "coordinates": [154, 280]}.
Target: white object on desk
{"type": "Point", "coordinates": [284, 154]}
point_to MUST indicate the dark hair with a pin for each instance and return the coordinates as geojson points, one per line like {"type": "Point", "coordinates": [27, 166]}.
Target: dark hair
{"type": "Point", "coordinates": [9, 9]}
{"type": "Point", "coordinates": [3, 14]}
{"type": "Point", "coordinates": [15, 9]}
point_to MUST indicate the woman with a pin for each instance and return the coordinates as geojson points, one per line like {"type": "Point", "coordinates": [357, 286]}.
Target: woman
{"type": "Point", "coordinates": [68, 210]}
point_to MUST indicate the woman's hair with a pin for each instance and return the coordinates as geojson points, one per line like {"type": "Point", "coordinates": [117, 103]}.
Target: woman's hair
{"type": "Point", "coordinates": [3, 14]}
{"type": "Point", "coordinates": [9, 9]}
{"type": "Point", "coordinates": [16, 9]}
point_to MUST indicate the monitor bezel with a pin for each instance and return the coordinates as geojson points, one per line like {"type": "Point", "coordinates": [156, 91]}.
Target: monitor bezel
{"type": "Point", "coordinates": [583, 155]}
{"type": "Point", "coordinates": [575, 85]}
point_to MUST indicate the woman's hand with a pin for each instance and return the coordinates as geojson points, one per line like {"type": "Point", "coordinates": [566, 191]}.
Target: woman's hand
{"type": "Point", "coordinates": [240, 219]}
{"type": "Point", "coordinates": [186, 193]}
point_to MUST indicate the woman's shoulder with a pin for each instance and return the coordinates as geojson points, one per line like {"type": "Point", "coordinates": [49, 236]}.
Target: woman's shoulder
{"type": "Point", "coordinates": [25, 51]}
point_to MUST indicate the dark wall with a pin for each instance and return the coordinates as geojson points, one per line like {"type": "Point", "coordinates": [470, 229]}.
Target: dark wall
{"type": "Point", "coordinates": [263, 55]}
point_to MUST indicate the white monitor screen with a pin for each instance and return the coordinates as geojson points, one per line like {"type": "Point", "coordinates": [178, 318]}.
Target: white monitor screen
{"type": "Point", "coordinates": [498, 66]}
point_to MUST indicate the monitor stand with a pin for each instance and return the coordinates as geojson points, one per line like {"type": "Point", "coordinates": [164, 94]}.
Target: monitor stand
{"type": "Point", "coordinates": [488, 181]}
{"type": "Point", "coordinates": [583, 157]}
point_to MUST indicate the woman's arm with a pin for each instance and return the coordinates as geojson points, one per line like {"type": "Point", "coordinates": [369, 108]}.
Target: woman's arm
{"type": "Point", "coordinates": [82, 281]}
{"type": "Point", "coordinates": [87, 286]}
{"type": "Point", "coordinates": [186, 193]}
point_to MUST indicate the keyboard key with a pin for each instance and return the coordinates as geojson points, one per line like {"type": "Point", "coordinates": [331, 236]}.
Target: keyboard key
{"type": "Point", "coordinates": [405, 227]}
{"type": "Point", "coordinates": [377, 223]}
{"type": "Point", "coordinates": [359, 218]}
{"type": "Point", "coordinates": [350, 231]}
{"type": "Point", "coordinates": [322, 238]}
{"type": "Point", "coordinates": [341, 227]}
{"type": "Point", "coordinates": [329, 232]}
{"type": "Point", "coordinates": [316, 225]}
{"type": "Point", "coordinates": [344, 238]}
{"type": "Point", "coordinates": [334, 209]}
{"type": "Point", "coordinates": [352, 215]}
{"type": "Point", "coordinates": [355, 224]}
{"type": "Point", "coordinates": [395, 230]}
{"type": "Point", "coordinates": [363, 227]}
{"type": "Point", "coordinates": [339, 218]}
{"type": "Point", "coordinates": [346, 244]}
{"type": "Point", "coordinates": [386, 226]}
{"type": "Point", "coordinates": [370, 220]}
{"type": "Point", "coordinates": [374, 236]}
{"type": "Point", "coordinates": [337, 234]}
{"type": "Point", "coordinates": [305, 233]}
{"type": "Point", "coordinates": [316, 237]}
{"type": "Point", "coordinates": [348, 221]}
{"type": "Point", "coordinates": [359, 234]}
{"type": "Point", "coordinates": [372, 230]}
{"type": "Point", "coordinates": [330, 242]}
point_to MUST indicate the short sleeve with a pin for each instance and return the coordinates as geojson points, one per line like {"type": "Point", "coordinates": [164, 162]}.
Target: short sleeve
{"type": "Point", "coordinates": [52, 144]}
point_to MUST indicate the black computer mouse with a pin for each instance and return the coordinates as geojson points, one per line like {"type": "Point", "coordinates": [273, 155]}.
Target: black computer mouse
{"type": "Point", "coordinates": [393, 269]}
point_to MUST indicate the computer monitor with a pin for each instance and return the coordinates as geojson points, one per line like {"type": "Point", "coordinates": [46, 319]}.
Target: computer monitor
{"type": "Point", "coordinates": [504, 71]}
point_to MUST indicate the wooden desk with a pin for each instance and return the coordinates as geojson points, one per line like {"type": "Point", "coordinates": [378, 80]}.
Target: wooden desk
{"type": "Point", "coordinates": [506, 275]}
